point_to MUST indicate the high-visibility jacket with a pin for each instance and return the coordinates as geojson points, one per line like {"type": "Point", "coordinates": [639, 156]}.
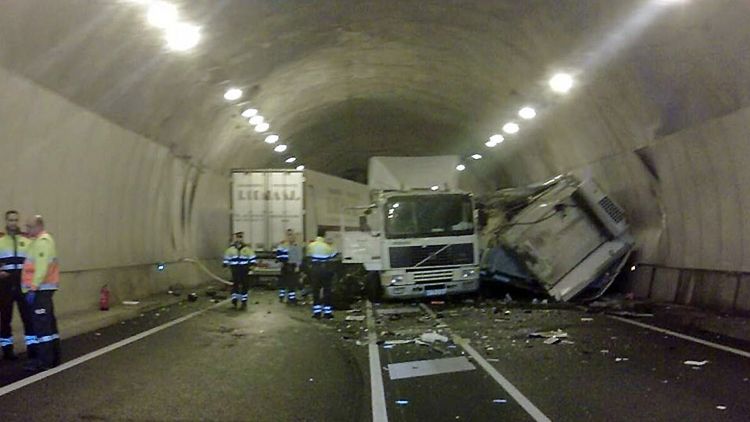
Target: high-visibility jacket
{"type": "Point", "coordinates": [41, 270]}
{"type": "Point", "coordinates": [282, 251]}
{"type": "Point", "coordinates": [13, 251]}
{"type": "Point", "coordinates": [320, 251]}
{"type": "Point", "coordinates": [244, 255]}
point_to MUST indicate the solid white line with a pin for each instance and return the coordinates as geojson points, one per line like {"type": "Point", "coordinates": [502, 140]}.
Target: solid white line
{"type": "Point", "coordinates": [79, 360]}
{"type": "Point", "coordinates": [684, 337]}
{"type": "Point", "coordinates": [525, 403]}
{"type": "Point", "coordinates": [377, 390]}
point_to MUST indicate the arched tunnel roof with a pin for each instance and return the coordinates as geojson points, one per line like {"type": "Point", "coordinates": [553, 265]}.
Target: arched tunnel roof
{"type": "Point", "coordinates": [340, 81]}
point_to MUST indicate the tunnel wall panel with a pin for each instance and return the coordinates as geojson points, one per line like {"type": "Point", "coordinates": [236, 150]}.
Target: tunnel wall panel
{"type": "Point", "coordinates": [115, 202]}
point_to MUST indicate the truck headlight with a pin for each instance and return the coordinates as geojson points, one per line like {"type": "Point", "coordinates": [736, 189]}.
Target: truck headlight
{"type": "Point", "coordinates": [397, 279]}
{"type": "Point", "coordinates": [469, 273]}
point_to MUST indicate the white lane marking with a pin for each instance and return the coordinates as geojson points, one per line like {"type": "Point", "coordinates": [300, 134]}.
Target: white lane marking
{"type": "Point", "coordinates": [96, 353]}
{"type": "Point", "coordinates": [377, 390]}
{"type": "Point", "coordinates": [684, 337]}
{"type": "Point", "coordinates": [525, 403]}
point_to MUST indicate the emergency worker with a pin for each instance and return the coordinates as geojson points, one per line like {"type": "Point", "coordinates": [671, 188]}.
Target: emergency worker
{"type": "Point", "coordinates": [288, 253]}
{"type": "Point", "coordinates": [40, 278]}
{"type": "Point", "coordinates": [239, 257]}
{"type": "Point", "coordinates": [320, 257]}
{"type": "Point", "coordinates": [13, 245]}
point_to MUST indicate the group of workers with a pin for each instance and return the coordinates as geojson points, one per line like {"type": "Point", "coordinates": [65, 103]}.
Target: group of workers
{"type": "Point", "coordinates": [29, 277]}
{"type": "Point", "coordinates": [316, 261]}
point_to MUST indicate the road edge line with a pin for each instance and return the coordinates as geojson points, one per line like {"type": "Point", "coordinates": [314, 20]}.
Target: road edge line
{"type": "Point", "coordinates": [683, 336]}
{"type": "Point", "coordinates": [99, 352]}
{"type": "Point", "coordinates": [377, 387]}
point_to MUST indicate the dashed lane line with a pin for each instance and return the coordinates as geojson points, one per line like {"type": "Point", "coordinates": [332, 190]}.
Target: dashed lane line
{"type": "Point", "coordinates": [377, 389]}
{"type": "Point", "coordinates": [524, 402]}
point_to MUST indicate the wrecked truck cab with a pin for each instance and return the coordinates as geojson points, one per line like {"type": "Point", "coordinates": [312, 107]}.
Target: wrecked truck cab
{"type": "Point", "coordinates": [564, 237]}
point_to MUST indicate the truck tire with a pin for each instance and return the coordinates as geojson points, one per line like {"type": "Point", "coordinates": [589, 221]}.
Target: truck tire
{"type": "Point", "coordinates": [373, 289]}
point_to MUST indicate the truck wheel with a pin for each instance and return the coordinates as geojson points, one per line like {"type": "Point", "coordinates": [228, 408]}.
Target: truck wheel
{"type": "Point", "coordinates": [373, 289]}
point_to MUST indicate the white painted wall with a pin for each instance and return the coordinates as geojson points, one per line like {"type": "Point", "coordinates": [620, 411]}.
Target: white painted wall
{"type": "Point", "coordinates": [115, 201]}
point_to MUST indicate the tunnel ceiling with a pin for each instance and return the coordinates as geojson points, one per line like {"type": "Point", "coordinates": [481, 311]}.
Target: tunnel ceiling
{"type": "Point", "coordinates": [341, 80]}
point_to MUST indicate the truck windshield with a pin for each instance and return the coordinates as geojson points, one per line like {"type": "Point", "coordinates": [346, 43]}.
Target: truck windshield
{"type": "Point", "coordinates": [428, 216]}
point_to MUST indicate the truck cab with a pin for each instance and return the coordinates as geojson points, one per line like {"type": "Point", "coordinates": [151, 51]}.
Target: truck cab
{"type": "Point", "coordinates": [418, 243]}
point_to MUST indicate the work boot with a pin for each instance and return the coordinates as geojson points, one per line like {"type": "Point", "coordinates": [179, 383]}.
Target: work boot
{"type": "Point", "coordinates": [328, 316]}
{"type": "Point", "coordinates": [8, 353]}
{"type": "Point", "coordinates": [243, 307]}
{"type": "Point", "coordinates": [316, 316]}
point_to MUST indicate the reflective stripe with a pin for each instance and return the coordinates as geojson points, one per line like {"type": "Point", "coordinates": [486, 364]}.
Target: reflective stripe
{"type": "Point", "coordinates": [6, 255]}
{"type": "Point", "coordinates": [30, 340]}
{"type": "Point", "coordinates": [6, 341]}
{"type": "Point", "coordinates": [328, 310]}
{"type": "Point", "coordinates": [7, 267]}
{"type": "Point", "coordinates": [282, 293]}
{"type": "Point", "coordinates": [45, 339]}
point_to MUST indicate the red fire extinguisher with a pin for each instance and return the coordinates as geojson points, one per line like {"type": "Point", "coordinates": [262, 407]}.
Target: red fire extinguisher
{"type": "Point", "coordinates": [104, 298]}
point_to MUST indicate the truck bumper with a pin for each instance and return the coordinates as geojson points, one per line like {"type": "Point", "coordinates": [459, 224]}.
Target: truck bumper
{"type": "Point", "coordinates": [411, 291]}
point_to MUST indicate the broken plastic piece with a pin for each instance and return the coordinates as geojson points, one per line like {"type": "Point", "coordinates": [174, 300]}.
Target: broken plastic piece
{"type": "Point", "coordinates": [402, 402]}
{"type": "Point", "coordinates": [587, 319]}
{"type": "Point", "coordinates": [501, 401]}
{"type": "Point", "coordinates": [130, 302]}
{"type": "Point", "coordinates": [695, 362]}
{"type": "Point", "coordinates": [355, 317]}
{"type": "Point", "coordinates": [433, 337]}
{"type": "Point", "coordinates": [621, 359]}
{"type": "Point", "coordinates": [720, 407]}
{"type": "Point", "coordinates": [552, 340]}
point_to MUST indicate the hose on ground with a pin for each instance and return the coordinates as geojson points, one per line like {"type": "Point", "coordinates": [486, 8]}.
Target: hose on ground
{"type": "Point", "coordinates": [207, 271]}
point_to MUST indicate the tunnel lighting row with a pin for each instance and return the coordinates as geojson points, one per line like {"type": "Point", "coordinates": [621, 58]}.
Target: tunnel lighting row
{"type": "Point", "coordinates": [560, 83]}
{"type": "Point", "coordinates": [180, 36]}
{"type": "Point", "coordinates": [260, 125]}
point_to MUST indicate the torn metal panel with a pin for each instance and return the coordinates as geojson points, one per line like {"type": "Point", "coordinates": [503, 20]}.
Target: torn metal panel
{"type": "Point", "coordinates": [422, 368]}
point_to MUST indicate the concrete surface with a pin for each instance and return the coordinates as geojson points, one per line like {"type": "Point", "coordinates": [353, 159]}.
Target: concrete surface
{"type": "Point", "coordinates": [275, 363]}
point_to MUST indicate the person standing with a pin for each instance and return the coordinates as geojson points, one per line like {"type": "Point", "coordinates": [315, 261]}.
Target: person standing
{"type": "Point", "coordinates": [40, 278]}
{"type": "Point", "coordinates": [13, 244]}
{"type": "Point", "coordinates": [288, 253]}
{"type": "Point", "coordinates": [239, 257]}
{"type": "Point", "coordinates": [320, 256]}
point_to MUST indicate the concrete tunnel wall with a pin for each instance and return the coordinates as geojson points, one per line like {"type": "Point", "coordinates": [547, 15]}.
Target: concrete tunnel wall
{"type": "Point", "coordinates": [658, 114]}
{"type": "Point", "coordinates": [115, 202]}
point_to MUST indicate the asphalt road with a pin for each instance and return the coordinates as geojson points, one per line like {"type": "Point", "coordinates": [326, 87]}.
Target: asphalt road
{"type": "Point", "coordinates": [274, 363]}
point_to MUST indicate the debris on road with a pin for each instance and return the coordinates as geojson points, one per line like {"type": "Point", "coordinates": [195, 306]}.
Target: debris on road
{"type": "Point", "coordinates": [587, 319]}
{"type": "Point", "coordinates": [130, 302]}
{"type": "Point", "coordinates": [695, 362]}
{"type": "Point", "coordinates": [432, 337]}
{"type": "Point", "coordinates": [549, 334]}
{"type": "Point", "coordinates": [402, 402]}
{"type": "Point", "coordinates": [398, 311]}
{"type": "Point", "coordinates": [552, 340]}
{"type": "Point", "coordinates": [629, 314]}
{"type": "Point", "coordinates": [500, 401]}
{"type": "Point", "coordinates": [621, 359]}
{"type": "Point", "coordinates": [355, 318]}
{"type": "Point", "coordinates": [720, 407]}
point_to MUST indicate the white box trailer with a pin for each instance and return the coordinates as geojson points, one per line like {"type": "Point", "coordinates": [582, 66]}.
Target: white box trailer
{"type": "Point", "coordinates": [265, 203]}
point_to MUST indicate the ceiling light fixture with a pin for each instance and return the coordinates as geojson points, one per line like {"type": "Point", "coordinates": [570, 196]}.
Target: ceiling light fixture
{"type": "Point", "coordinates": [300, 167]}
{"type": "Point", "coordinates": [477, 156]}
{"type": "Point", "coordinates": [271, 139]}
{"type": "Point", "coordinates": [233, 94]}
{"type": "Point", "coordinates": [256, 120]}
{"type": "Point", "coordinates": [262, 127]}
{"type": "Point", "coordinates": [527, 113]}
{"type": "Point", "coordinates": [434, 187]}
{"type": "Point", "coordinates": [290, 160]}
{"type": "Point", "coordinates": [511, 128]}
{"type": "Point", "coordinates": [161, 14]}
{"type": "Point", "coordinates": [280, 148]}
{"type": "Point", "coordinates": [250, 112]}
{"type": "Point", "coordinates": [182, 36]}
{"type": "Point", "coordinates": [561, 83]}
{"type": "Point", "coordinates": [460, 167]}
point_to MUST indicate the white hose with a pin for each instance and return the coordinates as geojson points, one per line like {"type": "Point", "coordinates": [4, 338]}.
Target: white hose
{"type": "Point", "coordinates": [207, 271]}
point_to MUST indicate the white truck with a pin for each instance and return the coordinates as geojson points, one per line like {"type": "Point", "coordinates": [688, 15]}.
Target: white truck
{"type": "Point", "coordinates": [564, 238]}
{"type": "Point", "coordinates": [265, 203]}
{"type": "Point", "coordinates": [419, 236]}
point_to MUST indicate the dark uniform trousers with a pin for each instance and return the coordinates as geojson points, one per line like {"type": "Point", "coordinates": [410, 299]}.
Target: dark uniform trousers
{"type": "Point", "coordinates": [44, 325]}
{"type": "Point", "coordinates": [10, 292]}
{"type": "Point", "coordinates": [289, 280]}
{"type": "Point", "coordinates": [321, 281]}
{"type": "Point", "coordinates": [240, 282]}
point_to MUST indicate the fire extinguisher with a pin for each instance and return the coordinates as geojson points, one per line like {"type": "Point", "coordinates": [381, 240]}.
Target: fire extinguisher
{"type": "Point", "coordinates": [104, 298]}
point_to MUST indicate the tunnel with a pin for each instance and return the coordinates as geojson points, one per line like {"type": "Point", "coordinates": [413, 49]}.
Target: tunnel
{"type": "Point", "coordinates": [122, 122]}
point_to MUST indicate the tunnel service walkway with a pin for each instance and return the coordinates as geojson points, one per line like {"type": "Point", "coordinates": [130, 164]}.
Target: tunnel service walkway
{"type": "Point", "coordinates": [274, 363]}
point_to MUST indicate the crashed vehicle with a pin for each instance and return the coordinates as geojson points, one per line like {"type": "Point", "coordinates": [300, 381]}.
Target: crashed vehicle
{"type": "Point", "coordinates": [564, 238]}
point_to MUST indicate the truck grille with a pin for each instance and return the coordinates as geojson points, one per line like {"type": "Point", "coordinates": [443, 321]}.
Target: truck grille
{"type": "Point", "coordinates": [432, 275]}
{"type": "Point", "coordinates": [409, 256]}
